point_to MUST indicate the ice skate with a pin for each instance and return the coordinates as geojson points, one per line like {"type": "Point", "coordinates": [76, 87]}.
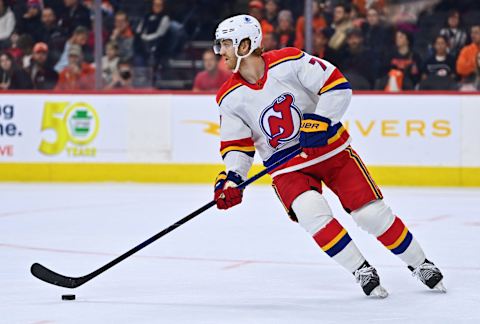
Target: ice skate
{"type": "Point", "coordinates": [370, 281]}
{"type": "Point", "coordinates": [430, 275]}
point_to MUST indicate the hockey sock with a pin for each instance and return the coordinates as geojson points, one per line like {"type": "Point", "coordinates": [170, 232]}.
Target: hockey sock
{"type": "Point", "coordinates": [335, 241]}
{"type": "Point", "coordinates": [398, 239]}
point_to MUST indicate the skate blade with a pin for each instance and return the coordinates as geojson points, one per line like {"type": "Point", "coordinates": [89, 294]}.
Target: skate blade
{"type": "Point", "coordinates": [440, 287]}
{"type": "Point", "coordinates": [379, 292]}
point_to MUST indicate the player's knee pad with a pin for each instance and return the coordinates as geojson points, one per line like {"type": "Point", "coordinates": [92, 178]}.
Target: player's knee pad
{"type": "Point", "coordinates": [312, 211]}
{"type": "Point", "coordinates": [375, 217]}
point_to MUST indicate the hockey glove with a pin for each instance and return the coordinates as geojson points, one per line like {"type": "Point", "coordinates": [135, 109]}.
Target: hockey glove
{"type": "Point", "coordinates": [226, 192]}
{"type": "Point", "coordinates": [313, 132]}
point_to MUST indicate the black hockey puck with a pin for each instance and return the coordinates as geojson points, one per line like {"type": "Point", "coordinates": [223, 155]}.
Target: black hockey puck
{"type": "Point", "coordinates": [68, 297]}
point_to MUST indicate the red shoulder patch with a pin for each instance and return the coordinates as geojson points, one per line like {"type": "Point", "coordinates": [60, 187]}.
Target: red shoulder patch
{"type": "Point", "coordinates": [278, 56]}
{"type": "Point", "coordinates": [227, 87]}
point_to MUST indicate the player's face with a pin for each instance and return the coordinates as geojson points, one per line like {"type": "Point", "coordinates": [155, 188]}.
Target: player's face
{"type": "Point", "coordinates": [228, 52]}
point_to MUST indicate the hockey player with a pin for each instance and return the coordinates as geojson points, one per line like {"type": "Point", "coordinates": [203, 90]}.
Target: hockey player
{"type": "Point", "coordinates": [283, 100]}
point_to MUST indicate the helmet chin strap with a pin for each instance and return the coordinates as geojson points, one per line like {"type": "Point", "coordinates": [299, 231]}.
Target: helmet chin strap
{"type": "Point", "coordinates": [240, 57]}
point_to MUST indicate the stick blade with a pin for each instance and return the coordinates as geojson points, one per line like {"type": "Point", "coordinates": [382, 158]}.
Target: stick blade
{"type": "Point", "coordinates": [54, 278]}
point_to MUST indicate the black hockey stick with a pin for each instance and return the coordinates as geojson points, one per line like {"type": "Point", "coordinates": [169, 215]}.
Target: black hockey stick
{"type": "Point", "coordinates": [57, 279]}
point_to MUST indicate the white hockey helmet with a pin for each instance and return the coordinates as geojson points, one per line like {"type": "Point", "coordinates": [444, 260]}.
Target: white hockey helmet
{"type": "Point", "coordinates": [238, 28]}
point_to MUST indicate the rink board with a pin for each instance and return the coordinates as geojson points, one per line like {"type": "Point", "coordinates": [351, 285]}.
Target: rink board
{"type": "Point", "coordinates": [431, 140]}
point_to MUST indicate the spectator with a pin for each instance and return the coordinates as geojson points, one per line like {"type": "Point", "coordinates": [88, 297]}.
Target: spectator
{"type": "Point", "coordinates": [376, 34]}
{"type": "Point", "coordinates": [52, 35]}
{"type": "Point", "coordinates": [7, 24]}
{"type": "Point", "coordinates": [110, 62]}
{"type": "Point", "coordinates": [20, 49]}
{"type": "Point", "coordinates": [122, 78]}
{"type": "Point", "coordinates": [270, 42]}
{"type": "Point", "coordinates": [318, 22]}
{"type": "Point", "coordinates": [355, 17]}
{"type": "Point", "coordinates": [356, 62]}
{"type": "Point", "coordinates": [255, 9]}
{"type": "Point", "coordinates": [76, 15]}
{"type": "Point", "coordinates": [340, 25]}
{"type": "Point", "coordinates": [212, 78]}
{"type": "Point", "coordinates": [473, 82]}
{"type": "Point", "coordinates": [122, 35]}
{"type": "Point", "coordinates": [364, 5]}
{"type": "Point", "coordinates": [455, 34]}
{"type": "Point", "coordinates": [152, 31]}
{"type": "Point", "coordinates": [77, 75]}
{"type": "Point", "coordinates": [405, 60]}
{"type": "Point", "coordinates": [271, 12]}
{"type": "Point", "coordinates": [320, 46]}
{"type": "Point", "coordinates": [12, 77]}
{"type": "Point", "coordinates": [79, 37]}
{"type": "Point", "coordinates": [438, 72]}
{"type": "Point", "coordinates": [31, 22]}
{"type": "Point", "coordinates": [285, 29]}
{"type": "Point", "coordinates": [43, 76]}
{"type": "Point", "coordinates": [466, 61]}
{"type": "Point", "coordinates": [25, 44]}
{"type": "Point", "coordinates": [14, 50]}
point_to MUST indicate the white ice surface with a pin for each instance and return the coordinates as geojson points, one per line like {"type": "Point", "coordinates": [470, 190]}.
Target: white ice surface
{"type": "Point", "coordinates": [247, 265]}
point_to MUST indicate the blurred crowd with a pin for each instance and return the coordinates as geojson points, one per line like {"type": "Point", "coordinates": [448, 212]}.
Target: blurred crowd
{"type": "Point", "coordinates": [389, 45]}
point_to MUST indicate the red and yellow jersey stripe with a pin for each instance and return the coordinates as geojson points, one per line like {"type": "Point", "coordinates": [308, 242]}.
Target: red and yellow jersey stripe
{"type": "Point", "coordinates": [277, 57]}
{"type": "Point", "coordinates": [228, 87]}
{"type": "Point", "coordinates": [336, 81]}
{"type": "Point", "coordinates": [244, 145]}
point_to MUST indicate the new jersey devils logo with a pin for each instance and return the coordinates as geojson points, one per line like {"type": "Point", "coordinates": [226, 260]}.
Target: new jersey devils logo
{"type": "Point", "coordinates": [280, 121]}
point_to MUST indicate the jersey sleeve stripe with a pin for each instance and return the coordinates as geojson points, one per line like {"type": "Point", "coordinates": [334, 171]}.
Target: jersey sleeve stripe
{"type": "Point", "coordinates": [285, 59]}
{"type": "Point", "coordinates": [244, 145]}
{"type": "Point", "coordinates": [250, 151]}
{"type": "Point", "coordinates": [341, 83]}
{"type": "Point", "coordinates": [335, 81]}
{"type": "Point", "coordinates": [230, 90]}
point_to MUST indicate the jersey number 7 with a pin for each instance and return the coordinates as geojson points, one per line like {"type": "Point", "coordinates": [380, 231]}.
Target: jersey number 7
{"type": "Point", "coordinates": [314, 60]}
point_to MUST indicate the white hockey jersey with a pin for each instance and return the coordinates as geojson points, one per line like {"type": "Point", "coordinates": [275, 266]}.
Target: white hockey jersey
{"type": "Point", "coordinates": [266, 116]}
